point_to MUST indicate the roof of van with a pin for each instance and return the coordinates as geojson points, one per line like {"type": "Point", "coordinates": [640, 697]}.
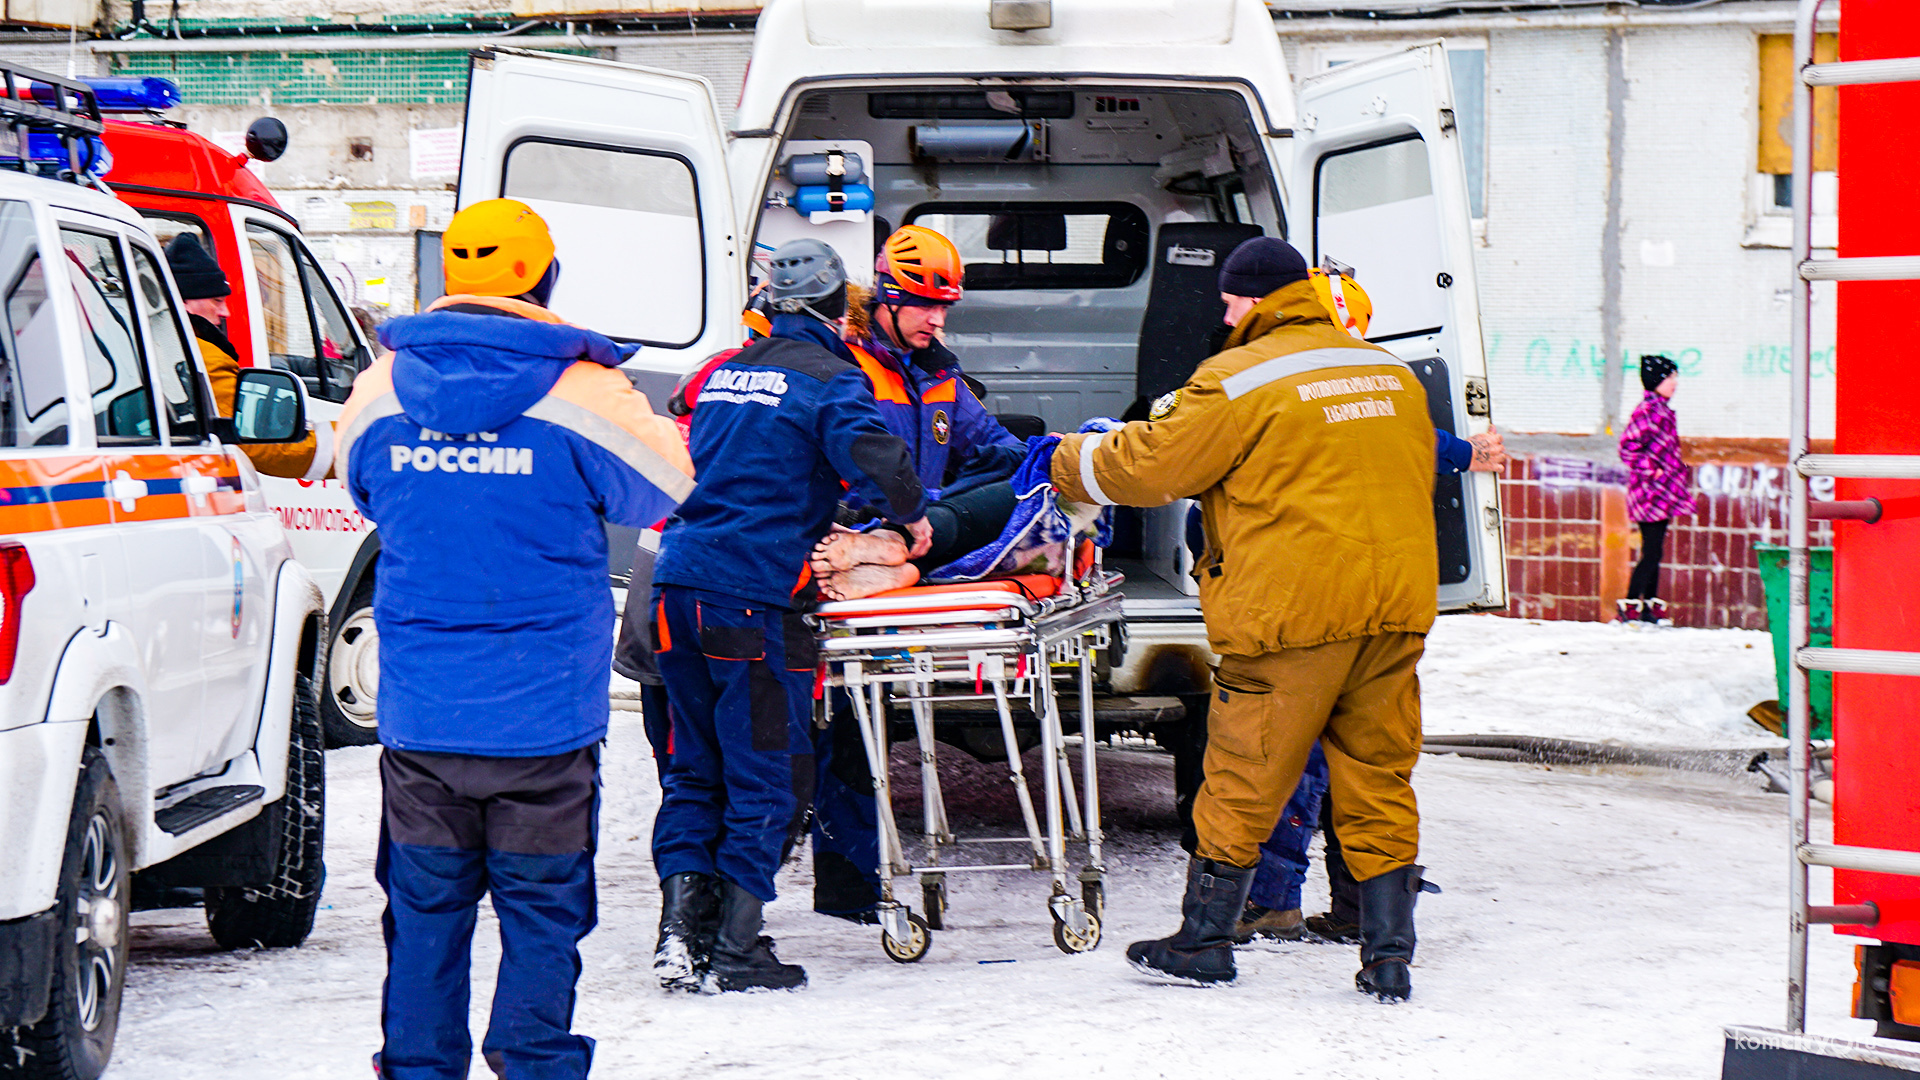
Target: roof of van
{"type": "Point", "coordinates": [162, 156]}
{"type": "Point", "coordinates": [16, 185]}
{"type": "Point", "coordinates": [797, 41]}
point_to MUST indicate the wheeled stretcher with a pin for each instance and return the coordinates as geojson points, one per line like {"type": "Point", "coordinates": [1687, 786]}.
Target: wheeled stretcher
{"type": "Point", "coordinates": [995, 641]}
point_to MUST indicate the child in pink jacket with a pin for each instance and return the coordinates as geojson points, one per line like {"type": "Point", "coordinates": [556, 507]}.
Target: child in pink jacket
{"type": "Point", "coordinates": [1656, 485]}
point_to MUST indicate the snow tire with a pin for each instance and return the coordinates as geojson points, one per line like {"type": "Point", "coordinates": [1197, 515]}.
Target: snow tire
{"type": "Point", "coordinates": [74, 1040]}
{"type": "Point", "coordinates": [279, 914]}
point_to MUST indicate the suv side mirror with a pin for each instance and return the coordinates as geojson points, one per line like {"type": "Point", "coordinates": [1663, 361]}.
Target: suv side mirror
{"type": "Point", "coordinates": [266, 139]}
{"type": "Point", "coordinates": [269, 406]}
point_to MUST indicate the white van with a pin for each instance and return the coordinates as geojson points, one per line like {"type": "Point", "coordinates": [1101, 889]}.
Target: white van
{"type": "Point", "coordinates": [1093, 169]}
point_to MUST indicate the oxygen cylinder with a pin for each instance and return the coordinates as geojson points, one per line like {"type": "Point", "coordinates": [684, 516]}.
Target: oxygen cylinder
{"type": "Point", "coordinates": [819, 199]}
{"type": "Point", "coordinates": [814, 170]}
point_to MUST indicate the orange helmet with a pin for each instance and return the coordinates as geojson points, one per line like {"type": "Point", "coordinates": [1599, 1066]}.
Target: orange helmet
{"type": "Point", "coordinates": [922, 263]}
{"type": "Point", "coordinates": [499, 247]}
{"type": "Point", "coordinates": [1347, 304]}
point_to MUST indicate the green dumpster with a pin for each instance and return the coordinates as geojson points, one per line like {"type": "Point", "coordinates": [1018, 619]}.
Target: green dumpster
{"type": "Point", "coordinates": [1773, 578]}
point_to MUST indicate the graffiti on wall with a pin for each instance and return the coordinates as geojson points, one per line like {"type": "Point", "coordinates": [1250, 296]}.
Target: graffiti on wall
{"type": "Point", "coordinates": [1571, 358]}
{"type": "Point", "coordinates": [1759, 482]}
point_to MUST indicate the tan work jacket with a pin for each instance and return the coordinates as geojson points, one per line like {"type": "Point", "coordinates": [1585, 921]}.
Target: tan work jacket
{"type": "Point", "coordinates": [1312, 456]}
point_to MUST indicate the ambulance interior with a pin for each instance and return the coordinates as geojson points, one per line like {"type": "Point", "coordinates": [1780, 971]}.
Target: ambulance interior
{"type": "Point", "coordinates": [1091, 220]}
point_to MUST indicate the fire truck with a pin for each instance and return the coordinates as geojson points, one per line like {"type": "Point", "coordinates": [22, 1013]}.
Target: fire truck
{"type": "Point", "coordinates": [286, 314]}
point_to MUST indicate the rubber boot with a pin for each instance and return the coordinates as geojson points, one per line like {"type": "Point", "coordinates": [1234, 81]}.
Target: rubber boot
{"type": "Point", "coordinates": [1201, 951]}
{"type": "Point", "coordinates": [1627, 612]}
{"type": "Point", "coordinates": [688, 917]}
{"type": "Point", "coordinates": [1656, 612]}
{"type": "Point", "coordinates": [742, 959]}
{"type": "Point", "coordinates": [1386, 932]}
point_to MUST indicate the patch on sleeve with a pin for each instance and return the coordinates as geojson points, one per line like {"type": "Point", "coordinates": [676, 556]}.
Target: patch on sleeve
{"type": "Point", "coordinates": [1164, 405]}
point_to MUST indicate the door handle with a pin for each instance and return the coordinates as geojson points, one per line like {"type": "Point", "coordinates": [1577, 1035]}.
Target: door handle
{"type": "Point", "coordinates": [126, 490]}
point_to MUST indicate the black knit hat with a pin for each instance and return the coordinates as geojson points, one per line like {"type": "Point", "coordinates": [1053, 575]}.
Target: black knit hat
{"type": "Point", "coordinates": [1654, 370]}
{"type": "Point", "coordinates": [1261, 265]}
{"type": "Point", "coordinates": [199, 276]}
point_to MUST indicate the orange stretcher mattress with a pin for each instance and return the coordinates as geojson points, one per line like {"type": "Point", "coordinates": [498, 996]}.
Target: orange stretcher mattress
{"type": "Point", "coordinates": [1031, 586]}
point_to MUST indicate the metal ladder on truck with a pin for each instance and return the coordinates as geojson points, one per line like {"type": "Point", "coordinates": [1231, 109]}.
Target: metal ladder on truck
{"type": "Point", "coordinates": [1759, 1052]}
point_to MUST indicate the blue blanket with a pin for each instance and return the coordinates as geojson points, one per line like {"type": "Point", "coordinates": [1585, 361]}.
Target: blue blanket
{"type": "Point", "coordinates": [1042, 533]}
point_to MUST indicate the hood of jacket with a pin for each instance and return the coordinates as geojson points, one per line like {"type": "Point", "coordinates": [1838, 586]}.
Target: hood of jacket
{"type": "Point", "coordinates": [461, 373]}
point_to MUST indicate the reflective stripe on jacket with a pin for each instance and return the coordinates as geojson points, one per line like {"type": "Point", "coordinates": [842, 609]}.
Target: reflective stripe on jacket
{"type": "Point", "coordinates": [1312, 456]}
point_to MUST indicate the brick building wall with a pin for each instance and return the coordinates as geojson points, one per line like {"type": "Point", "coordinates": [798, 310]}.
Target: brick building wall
{"type": "Point", "coordinates": [1570, 546]}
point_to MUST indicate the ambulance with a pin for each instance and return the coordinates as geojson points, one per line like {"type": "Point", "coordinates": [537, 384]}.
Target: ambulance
{"type": "Point", "coordinates": [286, 314]}
{"type": "Point", "coordinates": [1094, 160]}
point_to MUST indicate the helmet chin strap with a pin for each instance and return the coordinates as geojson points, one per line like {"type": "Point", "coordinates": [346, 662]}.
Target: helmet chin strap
{"type": "Point", "coordinates": [893, 315]}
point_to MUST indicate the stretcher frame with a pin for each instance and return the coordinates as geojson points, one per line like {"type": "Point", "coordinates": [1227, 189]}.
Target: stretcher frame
{"type": "Point", "coordinates": [1000, 645]}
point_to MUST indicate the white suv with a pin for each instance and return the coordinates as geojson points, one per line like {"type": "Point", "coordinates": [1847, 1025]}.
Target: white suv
{"type": "Point", "coordinates": [157, 641]}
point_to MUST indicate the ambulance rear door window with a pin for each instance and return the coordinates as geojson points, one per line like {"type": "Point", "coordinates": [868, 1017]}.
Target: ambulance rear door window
{"type": "Point", "coordinates": [627, 231]}
{"type": "Point", "coordinates": [34, 411]}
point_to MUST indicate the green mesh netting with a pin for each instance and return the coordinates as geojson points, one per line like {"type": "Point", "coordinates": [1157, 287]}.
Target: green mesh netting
{"type": "Point", "coordinates": [307, 78]}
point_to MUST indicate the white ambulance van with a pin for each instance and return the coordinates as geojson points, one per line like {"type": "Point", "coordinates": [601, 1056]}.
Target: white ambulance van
{"type": "Point", "coordinates": [1095, 160]}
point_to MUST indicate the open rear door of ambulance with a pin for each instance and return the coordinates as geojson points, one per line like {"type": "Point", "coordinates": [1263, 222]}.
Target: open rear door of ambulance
{"type": "Point", "coordinates": [1379, 185]}
{"type": "Point", "coordinates": [628, 167]}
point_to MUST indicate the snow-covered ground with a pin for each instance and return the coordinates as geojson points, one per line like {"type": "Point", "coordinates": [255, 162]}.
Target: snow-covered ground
{"type": "Point", "coordinates": [1596, 923]}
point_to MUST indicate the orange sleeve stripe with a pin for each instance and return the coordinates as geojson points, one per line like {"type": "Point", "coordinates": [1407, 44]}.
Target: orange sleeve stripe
{"type": "Point", "coordinates": [606, 393]}
{"type": "Point", "coordinates": [887, 386]}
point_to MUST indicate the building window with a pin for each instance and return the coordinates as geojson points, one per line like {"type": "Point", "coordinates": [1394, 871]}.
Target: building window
{"type": "Point", "coordinates": [1773, 178]}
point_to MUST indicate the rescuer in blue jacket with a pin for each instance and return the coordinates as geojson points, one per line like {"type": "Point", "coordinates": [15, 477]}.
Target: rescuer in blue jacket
{"type": "Point", "coordinates": [491, 446]}
{"type": "Point", "coordinates": [778, 428]}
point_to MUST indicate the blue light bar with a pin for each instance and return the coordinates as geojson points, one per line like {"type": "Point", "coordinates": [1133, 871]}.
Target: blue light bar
{"type": "Point", "coordinates": [122, 93]}
{"type": "Point", "coordinates": [129, 93]}
{"type": "Point", "coordinates": [47, 147]}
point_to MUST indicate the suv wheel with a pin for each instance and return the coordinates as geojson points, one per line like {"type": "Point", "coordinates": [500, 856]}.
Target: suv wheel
{"type": "Point", "coordinates": [280, 913]}
{"type": "Point", "coordinates": [353, 674]}
{"type": "Point", "coordinates": [75, 1038]}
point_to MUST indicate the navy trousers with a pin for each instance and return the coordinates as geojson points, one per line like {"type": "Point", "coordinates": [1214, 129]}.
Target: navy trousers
{"type": "Point", "coordinates": [740, 680]}
{"type": "Point", "coordinates": [456, 828]}
{"type": "Point", "coordinates": [1283, 856]}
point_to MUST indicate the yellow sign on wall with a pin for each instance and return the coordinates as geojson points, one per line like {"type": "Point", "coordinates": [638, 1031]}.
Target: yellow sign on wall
{"type": "Point", "coordinates": [372, 215]}
{"type": "Point", "coordinates": [1777, 75]}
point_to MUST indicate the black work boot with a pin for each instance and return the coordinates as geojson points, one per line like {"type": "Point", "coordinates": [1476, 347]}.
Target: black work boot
{"type": "Point", "coordinates": [1340, 924]}
{"type": "Point", "coordinates": [1386, 932]}
{"type": "Point", "coordinates": [689, 914]}
{"type": "Point", "coordinates": [1201, 951]}
{"type": "Point", "coordinates": [742, 959]}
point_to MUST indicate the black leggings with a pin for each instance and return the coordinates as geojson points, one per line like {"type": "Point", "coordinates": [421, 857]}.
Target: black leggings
{"type": "Point", "coordinates": [966, 522]}
{"type": "Point", "coordinates": [1645, 582]}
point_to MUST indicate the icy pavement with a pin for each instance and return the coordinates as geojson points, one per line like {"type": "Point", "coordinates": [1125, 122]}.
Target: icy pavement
{"type": "Point", "coordinates": [1596, 923]}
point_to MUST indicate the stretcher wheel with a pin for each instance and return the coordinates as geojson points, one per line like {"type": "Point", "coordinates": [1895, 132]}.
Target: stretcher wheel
{"type": "Point", "coordinates": [933, 897]}
{"type": "Point", "coordinates": [919, 940]}
{"type": "Point", "coordinates": [1071, 943]}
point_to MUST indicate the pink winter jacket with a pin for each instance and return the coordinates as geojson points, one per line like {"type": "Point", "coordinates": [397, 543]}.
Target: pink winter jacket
{"type": "Point", "coordinates": [1656, 477]}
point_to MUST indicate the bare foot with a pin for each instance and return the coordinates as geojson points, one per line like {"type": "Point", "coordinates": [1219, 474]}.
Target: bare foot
{"type": "Point", "coordinates": [846, 550]}
{"type": "Point", "coordinates": [866, 580]}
